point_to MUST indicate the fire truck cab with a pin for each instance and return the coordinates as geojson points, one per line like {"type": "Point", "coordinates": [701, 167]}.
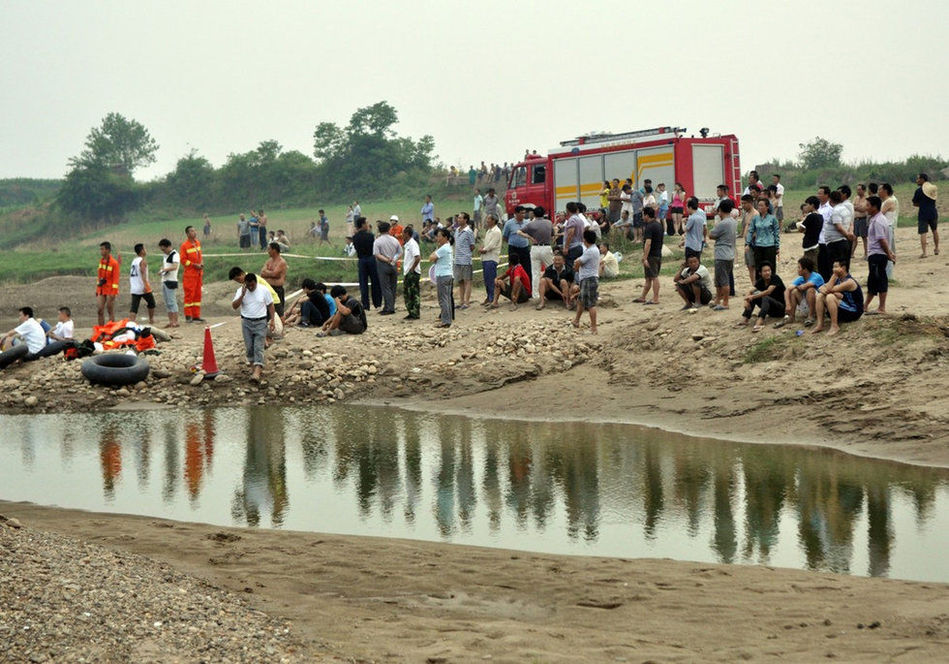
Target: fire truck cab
{"type": "Point", "coordinates": [577, 169]}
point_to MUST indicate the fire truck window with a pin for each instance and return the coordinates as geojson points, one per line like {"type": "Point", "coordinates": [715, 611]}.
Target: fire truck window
{"type": "Point", "coordinates": [539, 174]}
{"type": "Point", "coordinates": [519, 177]}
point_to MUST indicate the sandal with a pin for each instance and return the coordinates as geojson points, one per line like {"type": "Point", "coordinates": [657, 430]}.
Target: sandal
{"type": "Point", "coordinates": [757, 328]}
{"type": "Point", "coordinates": [640, 300]}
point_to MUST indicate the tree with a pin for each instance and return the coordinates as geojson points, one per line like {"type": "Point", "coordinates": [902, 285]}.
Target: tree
{"type": "Point", "coordinates": [94, 193]}
{"type": "Point", "coordinates": [119, 145]}
{"type": "Point", "coordinates": [366, 156]}
{"type": "Point", "coordinates": [820, 153]}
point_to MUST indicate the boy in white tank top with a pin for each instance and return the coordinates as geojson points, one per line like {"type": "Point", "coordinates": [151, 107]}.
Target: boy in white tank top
{"type": "Point", "coordinates": [139, 286]}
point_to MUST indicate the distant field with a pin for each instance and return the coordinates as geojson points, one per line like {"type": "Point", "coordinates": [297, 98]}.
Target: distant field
{"type": "Point", "coordinates": [78, 256]}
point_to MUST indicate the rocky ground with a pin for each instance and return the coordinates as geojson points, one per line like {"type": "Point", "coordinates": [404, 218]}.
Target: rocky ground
{"type": "Point", "coordinates": [65, 600]}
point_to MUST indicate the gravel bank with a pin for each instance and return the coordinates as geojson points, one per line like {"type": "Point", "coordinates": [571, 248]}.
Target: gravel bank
{"type": "Point", "coordinates": [63, 600]}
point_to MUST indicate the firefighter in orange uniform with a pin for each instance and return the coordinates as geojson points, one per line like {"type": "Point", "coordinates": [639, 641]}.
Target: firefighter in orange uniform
{"type": "Point", "coordinates": [107, 285]}
{"type": "Point", "coordinates": [193, 264]}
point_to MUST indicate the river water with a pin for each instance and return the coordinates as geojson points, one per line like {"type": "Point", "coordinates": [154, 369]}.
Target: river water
{"type": "Point", "coordinates": [574, 488]}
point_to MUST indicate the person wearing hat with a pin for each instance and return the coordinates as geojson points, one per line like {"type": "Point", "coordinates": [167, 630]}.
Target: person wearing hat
{"type": "Point", "coordinates": [925, 200]}
{"type": "Point", "coordinates": [395, 228]}
{"type": "Point", "coordinates": [539, 232]}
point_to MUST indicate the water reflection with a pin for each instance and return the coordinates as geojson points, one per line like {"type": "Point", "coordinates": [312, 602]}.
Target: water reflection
{"type": "Point", "coordinates": [571, 487]}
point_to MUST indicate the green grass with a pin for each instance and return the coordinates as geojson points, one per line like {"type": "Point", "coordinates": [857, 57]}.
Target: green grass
{"type": "Point", "coordinates": [766, 350]}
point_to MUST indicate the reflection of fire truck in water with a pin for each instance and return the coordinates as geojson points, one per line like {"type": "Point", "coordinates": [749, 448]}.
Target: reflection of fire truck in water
{"type": "Point", "coordinates": [577, 169]}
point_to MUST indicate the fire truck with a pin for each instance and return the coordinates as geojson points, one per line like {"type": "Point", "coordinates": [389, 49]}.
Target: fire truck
{"type": "Point", "coordinates": [576, 170]}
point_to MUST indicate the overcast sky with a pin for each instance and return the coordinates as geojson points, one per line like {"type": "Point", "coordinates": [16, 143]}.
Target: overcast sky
{"type": "Point", "coordinates": [487, 79]}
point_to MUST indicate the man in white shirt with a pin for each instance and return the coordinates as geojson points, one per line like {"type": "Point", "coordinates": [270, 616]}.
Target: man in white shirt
{"type": "Point", "coordinates": [478, 203]}
{"type": "Point", "coordinates": [169, 279]}
{"type": "Point", "coordinates": [65, 327]}
{"type": "Point", "coordinates": [257, 316]}
{"type": "Point", "coordinates": [24, 341]}
{"type": "Point", "coordinates": [387, 250]}
{"type": "Point", "coordinates": [411, 273]}
{"type": "Point", "coordinates": [778, 197]}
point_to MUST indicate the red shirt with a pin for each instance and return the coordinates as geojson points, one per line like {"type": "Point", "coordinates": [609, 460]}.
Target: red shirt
{"type": "Point", "coordinates": [518, 272]}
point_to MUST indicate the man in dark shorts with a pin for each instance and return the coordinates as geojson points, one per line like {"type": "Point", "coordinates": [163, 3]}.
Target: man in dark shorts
{"type": "Point", "coordinates": [879, 254]}
{"type": "Point", "coordinates": [557, 283]}
{"type": "Point", "coordinates": [653, 235]}
{"type": "Point", "coordinates": [925, 200]}
{"type": "Point", "coordinates": [350, 317]}
{"type": "Point", "coordinates": [840, 298]}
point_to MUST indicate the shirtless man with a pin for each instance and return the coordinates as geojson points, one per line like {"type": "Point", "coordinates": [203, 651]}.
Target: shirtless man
{"type": "Point", "coordinates": [275, 273]}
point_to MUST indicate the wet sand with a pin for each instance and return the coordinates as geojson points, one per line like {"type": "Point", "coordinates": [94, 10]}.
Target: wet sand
{"type": "Point", "coordinates": [370, 599]}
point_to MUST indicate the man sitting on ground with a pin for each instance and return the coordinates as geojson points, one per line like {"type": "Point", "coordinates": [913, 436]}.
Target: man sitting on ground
{"type": "Point", "coordinates": [350, 317]}
{"type": "Point", "coordinates": [313, 308]}
{"type": "Point", "coordinates": [65, 328]}
{"type": "Point", "coordinates": [558, 283]}
{"type": "Point", "coordinates": [693, 284]}
{"type": "Point", "coordinates": [24, 341]}
{"type": "Point", "coordinates": [841, 298]}
{"type": "Point", "coordinates": [609, 263]}
{"type": "Point", "coordinates": [514, 284]}
{"type": "Point", "coordinates": [801, 296]}
{"type": "Point", "coordinates": [768, 294]}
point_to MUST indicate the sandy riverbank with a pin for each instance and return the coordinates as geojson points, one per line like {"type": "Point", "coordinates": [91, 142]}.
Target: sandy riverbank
{"type": "Point", "coordinates": [379, 600]}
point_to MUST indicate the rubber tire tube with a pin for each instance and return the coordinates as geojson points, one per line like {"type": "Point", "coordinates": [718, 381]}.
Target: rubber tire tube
{"type": "Point", "coordinates": [115, 369]}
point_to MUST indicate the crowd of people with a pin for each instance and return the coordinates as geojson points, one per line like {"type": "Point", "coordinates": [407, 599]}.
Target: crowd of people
{"type": "Point", "coordinates": [559, 261]}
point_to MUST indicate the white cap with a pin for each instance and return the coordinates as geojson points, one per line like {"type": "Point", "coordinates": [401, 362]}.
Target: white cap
{"type": "Point", "coordinates": [394, 217]}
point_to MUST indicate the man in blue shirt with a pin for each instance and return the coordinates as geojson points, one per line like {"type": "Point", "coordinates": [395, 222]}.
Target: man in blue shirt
{"type": "Point", "coordinates": [802, 293]}
{"type": "Point", "coordinates": [428, 210]}
{"type": "Point", "coordinates": [518, 244]}
{"type": "Point", "coordinates": [696, 229]}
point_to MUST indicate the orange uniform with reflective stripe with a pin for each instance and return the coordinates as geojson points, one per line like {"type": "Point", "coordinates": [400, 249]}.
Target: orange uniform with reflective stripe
{"type": "Point", "coordinates": [192, 278]}
{"type": "Point", "coordinates": [108, 270]}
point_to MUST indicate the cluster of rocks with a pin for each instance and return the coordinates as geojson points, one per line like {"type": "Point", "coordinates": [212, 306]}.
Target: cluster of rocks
{"type": "Point", "coordinates": [63, 600]}
{"type": "Point", "coordinates": [303, 369]}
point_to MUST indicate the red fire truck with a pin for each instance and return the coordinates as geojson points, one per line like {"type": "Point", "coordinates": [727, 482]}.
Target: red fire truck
{"type": "Point", "coordinates": [577, 169]}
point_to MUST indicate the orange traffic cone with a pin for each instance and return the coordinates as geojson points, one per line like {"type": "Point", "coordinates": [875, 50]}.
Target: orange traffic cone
{"type": "Point", "coordinates": [208, 363]}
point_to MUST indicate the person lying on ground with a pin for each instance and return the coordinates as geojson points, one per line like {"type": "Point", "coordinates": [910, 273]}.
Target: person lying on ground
{"type": "Point", "coordinates": [767, 295]}
{"type": "Point", "coordinates": [802, 294]}
{"type": "Point", "coordinates": [693, 284]}
{"type": "Point", "coordinates": [350, 317]}
{"type": "Point", "coordinates": [514, 284]}
{"type": "Point", "coordinates": [557, 284]}
{"type": "Point", "coordinates": [840, 298]}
